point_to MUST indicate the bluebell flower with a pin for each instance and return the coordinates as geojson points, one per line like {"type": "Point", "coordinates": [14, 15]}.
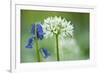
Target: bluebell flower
{"type": "Point", "coordinates": [45, 52]}
{"type": "Point", "coordinates": [33, 29]}
{"type": "Point", "coordinates": [39, 29]}
{"type": "Point", "coordinates": [29, 44]}
{"type": "Point", "coordinates": [40, 33]}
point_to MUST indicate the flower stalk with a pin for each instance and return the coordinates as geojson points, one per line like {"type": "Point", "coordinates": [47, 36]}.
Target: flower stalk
{"type": "Point", "coordinates": [57, 47]}
{"type": "Point", "coordinates": [36, 45]}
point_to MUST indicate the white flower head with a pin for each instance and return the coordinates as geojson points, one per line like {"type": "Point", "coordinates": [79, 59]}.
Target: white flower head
{"type": "Point", "coordinates": [57, 26]}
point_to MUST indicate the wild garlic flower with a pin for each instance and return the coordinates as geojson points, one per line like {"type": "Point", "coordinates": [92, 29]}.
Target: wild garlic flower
{"type": "Point", "coordinates": [57, 26]}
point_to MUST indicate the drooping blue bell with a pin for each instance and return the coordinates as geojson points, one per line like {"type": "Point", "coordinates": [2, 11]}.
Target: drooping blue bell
{"type": "Point", "coordinates": [45, 53]}
{"type": "Point", "coordinates": [29, 44]}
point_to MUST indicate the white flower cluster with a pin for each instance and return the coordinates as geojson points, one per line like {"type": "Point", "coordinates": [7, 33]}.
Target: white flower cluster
{"type": "Point", "coordinates": [57, 26]}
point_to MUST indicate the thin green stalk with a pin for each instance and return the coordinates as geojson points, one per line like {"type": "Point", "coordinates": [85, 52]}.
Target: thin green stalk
{"type": "Point", "coordinates": [57, 47]}
{"type": "Point", "coordinates": [37, 50]}
{"type": "Point", "coordinates": [37, 46]}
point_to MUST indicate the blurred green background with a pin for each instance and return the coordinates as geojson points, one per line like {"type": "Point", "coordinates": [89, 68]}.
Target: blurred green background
{"type": "Point", "coordinates": [80, 50]}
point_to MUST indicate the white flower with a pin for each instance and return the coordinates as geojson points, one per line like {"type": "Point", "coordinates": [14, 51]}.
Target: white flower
{"type": "Point", "coordinates": [57, 26]}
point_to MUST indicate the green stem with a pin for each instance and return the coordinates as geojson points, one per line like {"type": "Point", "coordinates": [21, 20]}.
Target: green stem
{"type": "Point", "coordinates": [57, 47]}
{"type": "Point", "coordinates": [37, 50]}
{"type": "Point", "coordinates": [37, 46]}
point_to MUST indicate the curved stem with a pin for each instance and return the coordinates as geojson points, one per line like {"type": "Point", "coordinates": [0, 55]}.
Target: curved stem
{"type": "Point", "coordinates": [36, 45]}
{"type": "Point", "coordinates": [57, 47]}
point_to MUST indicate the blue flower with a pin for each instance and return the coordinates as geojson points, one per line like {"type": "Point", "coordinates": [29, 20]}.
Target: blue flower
{"type": "Point", "coordinates": [33, 29]}
{"type": "Point", "coordinates": [40, 33]}
{"type": "Point", "coordinates": [39, 29]}
{"type": "Point", "coordinates": [29, 44]}
{"type": "Point", "coordinates": [45, 52]}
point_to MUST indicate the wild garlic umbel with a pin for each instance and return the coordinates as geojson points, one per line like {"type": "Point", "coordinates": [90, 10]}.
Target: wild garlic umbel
{"type": "Point", "coordinates": [57, 27]}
